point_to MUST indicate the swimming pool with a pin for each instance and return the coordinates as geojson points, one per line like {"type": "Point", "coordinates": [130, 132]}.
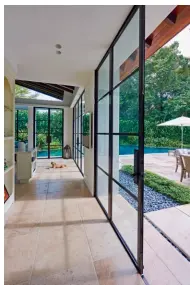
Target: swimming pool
{"type": "Point", "coordinates": [123, 150]}
{"type": "Point", "coordinates": [129, 149]}
{"type": "Point", "coordinates": [53, 153]}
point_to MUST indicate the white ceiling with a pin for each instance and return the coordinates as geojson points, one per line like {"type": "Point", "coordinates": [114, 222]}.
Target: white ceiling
{"type": "Point", "coordinates": [85, 33]}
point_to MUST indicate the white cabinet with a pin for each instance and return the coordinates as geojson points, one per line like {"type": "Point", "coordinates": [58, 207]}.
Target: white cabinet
{"type": "Point", "coordinates": [25, 165]}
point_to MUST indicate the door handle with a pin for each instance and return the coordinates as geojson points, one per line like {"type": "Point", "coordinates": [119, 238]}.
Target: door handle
{"type": "Point", "coordinates": [136, 166]}
{"type": "Point", "coordinates": [48, 139]}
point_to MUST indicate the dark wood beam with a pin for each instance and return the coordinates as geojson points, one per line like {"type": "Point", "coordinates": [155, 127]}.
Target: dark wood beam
{"type": "Point", "coordinates": [159, 37]}
{"type": "Point", "coordinates": [41, 88]}
{"type": "Point", "coordinates": [68, 88]}
{"type": "Point", "coordinates": [148, 41]}
{"type": "Point", "coordinates": [172, 17]}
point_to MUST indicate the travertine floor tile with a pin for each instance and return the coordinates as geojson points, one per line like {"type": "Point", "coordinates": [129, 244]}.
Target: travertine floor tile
{"type": "Point", "coordinates": [20, 252]}
{"type": "Point", "coordinates": [56, 231]}
{"type": "Point", "coordinates": [83, 274]}
{"type": "Point", "coordinates": [117, 270]}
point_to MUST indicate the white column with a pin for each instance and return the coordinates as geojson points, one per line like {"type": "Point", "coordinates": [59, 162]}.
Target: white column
{"type": "Point", "coordinates": [30, 126]}
{"type": "Point", "coordinates": [68, 127]}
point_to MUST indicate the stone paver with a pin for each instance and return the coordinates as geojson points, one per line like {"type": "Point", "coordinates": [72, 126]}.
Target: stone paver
{"type": "Point", "coordinates": [159, 163]}
{"type": "Point", "coordinates": [175, 224]}
{"type": "Point", "coordinates": [185, 209]}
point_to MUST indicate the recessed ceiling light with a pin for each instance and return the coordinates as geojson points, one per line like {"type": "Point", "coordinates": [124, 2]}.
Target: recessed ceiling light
{"type": "Point", "coordinates": [58, 46]}
{"type": "Point", "coordinates": [58, 52]}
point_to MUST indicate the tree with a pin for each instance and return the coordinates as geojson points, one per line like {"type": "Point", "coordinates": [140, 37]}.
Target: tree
{"type": "Point", "coordinates": [167, 96]}
{"type": "Point", "coordinates": [22, 92]}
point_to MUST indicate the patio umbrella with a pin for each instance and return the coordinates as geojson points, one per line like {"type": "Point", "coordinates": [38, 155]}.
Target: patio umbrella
{"type": "Point", "coordinates": [180, 122]}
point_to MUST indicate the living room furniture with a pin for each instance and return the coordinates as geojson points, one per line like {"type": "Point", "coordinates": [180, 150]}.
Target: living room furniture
{"type": "Point", "coordinates": [25, 164]}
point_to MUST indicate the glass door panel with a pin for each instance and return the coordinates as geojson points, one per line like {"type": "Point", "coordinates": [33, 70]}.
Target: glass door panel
{"type": "Point", "coordinates": [49, 132]}
{"type": "Point", "coordinates": [56, 145]}
{"type": "Point", "coordinates": [41, 132]}
{"type": "Point", "coordinates": [119, 134]}
{"type": "Point", "coordinates": [56, 133]}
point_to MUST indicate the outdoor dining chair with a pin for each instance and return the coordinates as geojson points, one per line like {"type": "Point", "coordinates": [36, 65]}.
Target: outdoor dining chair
{"type": "Point", "coordinates": [185, 166]}
{"type": "Point", "coordinates": [178, 153]}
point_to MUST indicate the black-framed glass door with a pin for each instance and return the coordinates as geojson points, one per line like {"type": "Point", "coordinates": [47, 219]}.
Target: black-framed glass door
{"type": "Point", "coordinates": [78, 148]}
{"type": "Point", "coordinates": [48, 132]}
{"type": "Point", "coordinates": [119, 123]}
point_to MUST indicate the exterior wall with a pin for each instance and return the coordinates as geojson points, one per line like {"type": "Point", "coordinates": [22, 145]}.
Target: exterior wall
{"type": "Point", "coordinates": [89, 153]}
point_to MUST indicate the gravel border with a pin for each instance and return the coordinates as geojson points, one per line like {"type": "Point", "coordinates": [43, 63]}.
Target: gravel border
{"type": "Point", "coordinates": [153, 201]}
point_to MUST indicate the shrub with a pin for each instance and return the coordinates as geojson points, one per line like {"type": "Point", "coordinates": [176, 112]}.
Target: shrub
{"type": "Point", "coordinates": [177, 192]}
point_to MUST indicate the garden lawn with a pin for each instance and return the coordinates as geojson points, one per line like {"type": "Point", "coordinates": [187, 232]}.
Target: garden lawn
{"type": "Point", "coordinates": [179, 193]}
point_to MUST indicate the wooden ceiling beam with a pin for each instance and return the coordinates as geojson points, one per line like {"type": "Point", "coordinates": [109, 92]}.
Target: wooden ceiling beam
{"type": "Point", "coordinates": [68, 88]}
{"type": "Point", "coordinates": [161, 35]}
{"type": "Point", "coordinates": [42, 88]}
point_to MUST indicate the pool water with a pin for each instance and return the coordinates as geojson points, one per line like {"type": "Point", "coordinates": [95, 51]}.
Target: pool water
{"type": "Point", "coordinates": [53, 153]}
{"type": "Point", "coordinates": [123, 150]}
{"type": "Point", "coordinates": [129, 149]}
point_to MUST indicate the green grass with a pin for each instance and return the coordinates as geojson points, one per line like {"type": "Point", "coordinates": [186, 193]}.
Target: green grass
{"type": "Point", "coordinates": [179, 193]}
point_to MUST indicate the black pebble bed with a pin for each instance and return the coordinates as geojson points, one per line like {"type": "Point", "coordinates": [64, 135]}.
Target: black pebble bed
{"type": "Point", "coordinates": [153, 201]}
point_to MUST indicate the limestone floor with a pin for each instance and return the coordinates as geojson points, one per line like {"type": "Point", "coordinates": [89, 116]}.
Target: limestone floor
{"type": "Point", "coordinates": [163, 264]}
{"type": "Point", "coordinates": [56, 233]}
{"type": "Point", "coordinates": [159, 163]}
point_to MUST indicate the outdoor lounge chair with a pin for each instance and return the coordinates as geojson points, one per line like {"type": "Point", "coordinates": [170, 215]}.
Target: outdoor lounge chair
{"type": "Point", "coordinates": [185, 166]}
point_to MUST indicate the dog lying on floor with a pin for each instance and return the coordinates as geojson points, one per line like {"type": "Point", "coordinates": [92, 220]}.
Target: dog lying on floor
{"type": "Point", "coordinates": [56, 165]}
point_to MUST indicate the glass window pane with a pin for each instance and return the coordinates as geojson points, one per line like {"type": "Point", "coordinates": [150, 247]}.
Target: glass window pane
{"type": "Point", "coordinates": [83, 104]}
{"type": "Point", "coordinates": [23, 137]}
{"type": "Point", "coordinates": [56, 139]}
{"type": "Point", "coordinates": [102, 188]}
{"type": "Point", "coordinates": [103, 153]}
{"type": "Point", "coordinates": [125, 216]}
{"type": "Point", "coordinates": [103, 78]}
{"type": "Point", "coordinates": [41, 114]}
{"type": "Point", "coordinates": [41, 127]}
{"type": "Point", "coordinates": [103, 115]}
{"type": "Point", "coordinates": [56, 126]}
{"type": "Point", "coordinates": [56, 151]}
{"type": "Point", "coordinates": [79, 128]}
{"type": "Point", "coordinates": [123, 161]}
{"type": "Point", "coordinates": [56, 115]}
{"type": "Point", "coordinates": [23, 115]}
{"type": "Point", "coordinates": [125, 105]}
{"type": "Point", "coordinates": [126, 50]}
{"type": "Point", "coordinates": [22, 126]}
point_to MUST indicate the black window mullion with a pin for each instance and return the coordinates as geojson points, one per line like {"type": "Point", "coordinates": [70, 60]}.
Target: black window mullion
{"type": "Point", "coordinates": [81, 134]}
{"type": "Point", "coordinates": [141, 136]}
{"type": "Point", "coordinates": [77, 122]}
{"type": "Point", "coordinates": [62, 132]}
{"type": "Point", "coordinates": [110, 134]}
{"type": "Point", "coordinates": [95, 132]}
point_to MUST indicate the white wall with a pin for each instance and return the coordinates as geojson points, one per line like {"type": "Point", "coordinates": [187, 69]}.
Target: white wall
{"type": "Point", "coordinates": [30, 126]}
{"type": "Point", "coordinates": [10, 74]}
{"type": "Point", "coordinates": [89, 153]}
{"type": "Point", "coordinates": [68, 127]}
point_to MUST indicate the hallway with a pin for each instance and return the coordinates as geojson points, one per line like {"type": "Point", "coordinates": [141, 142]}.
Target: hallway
{"type": "Point", "coordinates": [56, 233]}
